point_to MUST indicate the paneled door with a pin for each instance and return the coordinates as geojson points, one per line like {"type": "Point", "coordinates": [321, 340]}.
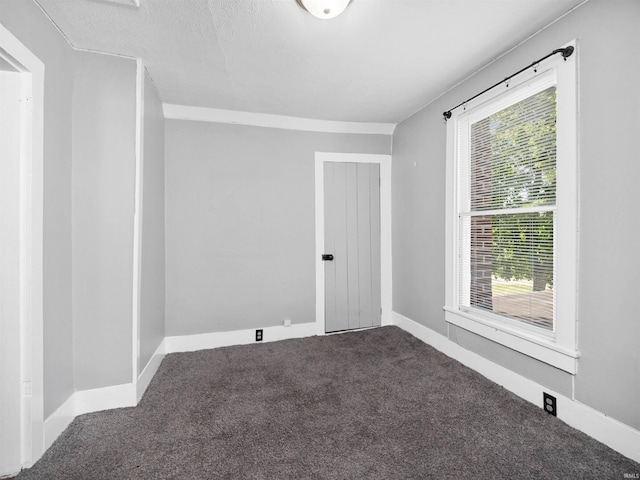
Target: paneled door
{"type": "Point", "coordinates": [352, 245]}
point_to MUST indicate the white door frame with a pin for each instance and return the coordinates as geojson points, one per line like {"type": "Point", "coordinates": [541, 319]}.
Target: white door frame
{"type": "Point", "coordinates": [31, 433]}
{"type": "Point", "coordinates": [385, 229]}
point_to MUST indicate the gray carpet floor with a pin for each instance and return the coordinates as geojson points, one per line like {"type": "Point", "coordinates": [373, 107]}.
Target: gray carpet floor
{"type": "Point", "coordinates": [374, 404]}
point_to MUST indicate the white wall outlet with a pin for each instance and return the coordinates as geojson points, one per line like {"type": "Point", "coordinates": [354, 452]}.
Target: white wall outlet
{"type": "Point", "coordinates": [287, 322]}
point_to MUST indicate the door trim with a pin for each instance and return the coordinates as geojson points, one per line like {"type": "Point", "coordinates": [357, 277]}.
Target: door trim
{"type": "Point", "coordinates": [385, 229]}
{"type": "Point", "coordinates": [31, 245]}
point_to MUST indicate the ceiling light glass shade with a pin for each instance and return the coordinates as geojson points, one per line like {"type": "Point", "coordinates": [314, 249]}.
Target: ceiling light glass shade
{"type": "Point", "coordinates": [324, 9]}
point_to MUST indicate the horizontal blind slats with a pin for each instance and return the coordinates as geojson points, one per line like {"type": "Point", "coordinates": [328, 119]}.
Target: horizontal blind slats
{"type": "Point", "coordinates": [506, 226]}
{"type": "Point", "coordinates": [513, 155]}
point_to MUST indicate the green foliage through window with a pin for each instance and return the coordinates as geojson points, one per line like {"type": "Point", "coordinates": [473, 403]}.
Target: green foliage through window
{"type": "Point", "coordinates": [513, 166]}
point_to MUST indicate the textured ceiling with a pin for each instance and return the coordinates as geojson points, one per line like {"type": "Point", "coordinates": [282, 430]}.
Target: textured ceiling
{"type": "Point", "coordinates": [380, 61]}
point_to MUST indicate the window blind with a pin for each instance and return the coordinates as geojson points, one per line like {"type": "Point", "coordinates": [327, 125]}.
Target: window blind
{"type": "Point", "coordinates": [507, 214]}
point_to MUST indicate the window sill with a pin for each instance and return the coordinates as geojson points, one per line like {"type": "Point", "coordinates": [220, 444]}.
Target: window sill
{"type": "Point", "coordinates": [545, 350]}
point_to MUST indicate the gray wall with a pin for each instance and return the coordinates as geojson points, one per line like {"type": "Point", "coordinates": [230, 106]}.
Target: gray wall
{"type": "Point", "coordinates": [240, 239]}
{"type": "Point", "coordinates": [104, 107]}
{"type": "Point", "coordinates": [26, 21]}
{"type": "Point", "coordinates": [152, 270]}
{"type": "Point", "coordinates": [608, 378]}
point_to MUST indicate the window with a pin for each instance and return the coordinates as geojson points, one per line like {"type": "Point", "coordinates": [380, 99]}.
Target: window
{"type": "Point", "coordinates": [512, 214]}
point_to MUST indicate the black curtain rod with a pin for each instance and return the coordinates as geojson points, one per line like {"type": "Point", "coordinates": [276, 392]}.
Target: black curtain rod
{"type": "Point", "coordinates": [566, 53]}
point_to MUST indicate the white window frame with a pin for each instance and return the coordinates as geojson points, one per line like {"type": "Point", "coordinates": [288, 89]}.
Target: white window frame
{"type": "Point", "coordinates": [557, 348]}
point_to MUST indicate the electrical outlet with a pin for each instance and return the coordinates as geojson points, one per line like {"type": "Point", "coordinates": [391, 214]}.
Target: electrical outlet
{"type": "Point", "coordinates": [549, 404]}
{"type": "Point", "coordinates": [259, 335]}
{"type": "Point", "coordinates": [287, 322]}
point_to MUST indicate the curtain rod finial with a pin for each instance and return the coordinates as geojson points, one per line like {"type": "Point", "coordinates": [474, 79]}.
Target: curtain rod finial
{"type": "Point", "coordinates": [568, 51]}
{"type": "Point", "coordinates": [447, 114]}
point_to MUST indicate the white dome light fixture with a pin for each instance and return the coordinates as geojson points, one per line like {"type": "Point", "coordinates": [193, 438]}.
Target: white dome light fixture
{"type": "Point", "coordinates": [324, 9]}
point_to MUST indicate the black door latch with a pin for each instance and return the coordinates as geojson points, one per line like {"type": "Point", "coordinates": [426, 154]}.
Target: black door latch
{"type": "Point", "coordinates": [327, 257]}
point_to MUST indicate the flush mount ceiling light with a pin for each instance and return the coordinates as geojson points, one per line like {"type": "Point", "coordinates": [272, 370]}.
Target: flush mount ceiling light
{"type": "Point", "coordinates": [324, 9]}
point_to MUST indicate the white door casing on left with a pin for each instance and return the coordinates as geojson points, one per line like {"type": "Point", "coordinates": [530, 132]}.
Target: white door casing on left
{"type": "Point", "coordinates": [26, 325]}
{"type": "Point", "coordinates": [10, 114]}
{"type": "Point", "coordinates": [385, 229]}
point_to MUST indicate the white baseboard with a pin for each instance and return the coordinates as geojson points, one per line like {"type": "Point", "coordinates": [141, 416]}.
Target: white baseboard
{"type": "Point", "coordinates": [106, 398]}
{"type": "Point", "coordinates": [58, 421]}
{"type": "Point", "coordinates": [204, 341]}
{"type": "Point", "coordinates": [94, 400]}
{"type": "Point", "coordinates": [144, 379]}
{"type": "Point", "coordinates": [607, 430]}
{"type": "Point", "coordinates": [87, 401]}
